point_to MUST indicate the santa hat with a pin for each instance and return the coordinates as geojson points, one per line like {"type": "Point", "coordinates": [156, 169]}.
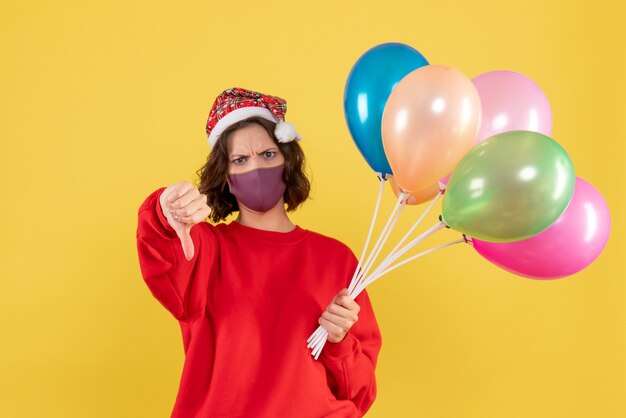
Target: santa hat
{"type": "Point", "coordinates": [236, 104]}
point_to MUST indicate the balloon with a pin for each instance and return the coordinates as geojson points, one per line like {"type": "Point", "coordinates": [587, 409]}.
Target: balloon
{"type": "Point", "coordinates": [369, 84]}
{"type": "Point", "coordinates": [569, 245]}
{"type": "Point", "coordinates": [429, 123]}
{"type": "Point", "coordinates": [509, 187]}
{"type": "Point", "coordinates": [510, 102]}
{"type": "Point", "coordinates": [418, 197]}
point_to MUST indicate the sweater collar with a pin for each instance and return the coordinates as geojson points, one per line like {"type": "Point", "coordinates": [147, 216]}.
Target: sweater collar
{"type": "Point", "coordinates": [271, 236]}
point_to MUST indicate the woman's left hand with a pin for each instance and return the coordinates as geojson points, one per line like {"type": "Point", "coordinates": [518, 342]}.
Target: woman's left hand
{"type": "Point", "coordinates": [340, 316]}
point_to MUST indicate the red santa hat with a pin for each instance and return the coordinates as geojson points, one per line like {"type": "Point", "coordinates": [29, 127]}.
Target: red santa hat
{"type": "Point", "coordinates": [236, 104]}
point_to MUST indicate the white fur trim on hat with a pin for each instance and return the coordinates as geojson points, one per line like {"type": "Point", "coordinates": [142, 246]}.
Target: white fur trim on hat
{"type": "Point", "coordinates": [236, 116]}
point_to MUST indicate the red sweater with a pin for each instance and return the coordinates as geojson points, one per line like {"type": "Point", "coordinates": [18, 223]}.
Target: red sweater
{"type": "Point", "coordinates": [246, 304]}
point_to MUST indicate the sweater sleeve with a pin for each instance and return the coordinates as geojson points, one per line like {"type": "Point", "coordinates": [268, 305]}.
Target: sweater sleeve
{"type": "Point", "coordinates": [165, 270]}
{"type": "Point", "coordinates": [350, 364]}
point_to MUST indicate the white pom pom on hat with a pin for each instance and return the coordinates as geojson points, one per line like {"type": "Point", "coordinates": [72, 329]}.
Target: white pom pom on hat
{"type": "Point", "coordinates": [286, 132]}
{"type": "Point", "coordinates": [236, 104]}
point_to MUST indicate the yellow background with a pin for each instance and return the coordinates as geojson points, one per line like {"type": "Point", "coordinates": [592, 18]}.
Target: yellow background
{"type": "Point", "coordinates": [103, 102]}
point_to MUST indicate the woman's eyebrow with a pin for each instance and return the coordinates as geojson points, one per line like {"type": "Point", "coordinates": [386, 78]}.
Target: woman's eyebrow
{"type": "Point", "coordinates": [233, 155]}
{"type": "Point", "coordinates": [269, 149]}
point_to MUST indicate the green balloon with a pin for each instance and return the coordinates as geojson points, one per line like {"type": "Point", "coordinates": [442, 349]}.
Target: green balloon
{"type": "Point", "coordinates": [509, 187]}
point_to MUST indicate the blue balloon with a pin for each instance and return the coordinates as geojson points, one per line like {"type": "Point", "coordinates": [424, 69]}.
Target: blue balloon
{"type": "Point", "coordinates": [368, 87]}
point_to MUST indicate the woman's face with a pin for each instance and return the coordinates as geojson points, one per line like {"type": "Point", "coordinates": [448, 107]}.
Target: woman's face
{"type": "Point", "coordinates": [250, 148]}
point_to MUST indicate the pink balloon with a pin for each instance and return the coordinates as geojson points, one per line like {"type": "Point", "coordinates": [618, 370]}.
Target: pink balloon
{"type": "Point", "coordinates": [569, 245]}
{"type": "Point", "coordinates": [511, 101]}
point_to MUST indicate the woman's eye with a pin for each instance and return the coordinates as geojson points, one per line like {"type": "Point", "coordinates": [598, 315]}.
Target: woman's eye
{"type": "Point", "coordinates": [240, 160]}
{"type": "Point", "coordinates": [269, 154]}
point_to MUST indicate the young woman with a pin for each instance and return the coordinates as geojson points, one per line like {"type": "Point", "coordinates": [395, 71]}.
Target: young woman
{"type": "Point", "coordinates": [247, 294]}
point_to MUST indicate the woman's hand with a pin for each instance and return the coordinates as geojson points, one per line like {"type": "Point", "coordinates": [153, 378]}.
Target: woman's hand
{"type": "Point", "coordinates": [184, 206]}
{"type": "Point", "coordinates": [340, 316]}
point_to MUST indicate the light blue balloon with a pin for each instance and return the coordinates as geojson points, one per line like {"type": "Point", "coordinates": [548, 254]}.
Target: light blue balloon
{"type": "Point", "coordinates": [368, 87]}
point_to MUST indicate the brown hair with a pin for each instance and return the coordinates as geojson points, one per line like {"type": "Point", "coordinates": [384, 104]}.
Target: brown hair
{"type": "Point", "coordinates": [212, 175]}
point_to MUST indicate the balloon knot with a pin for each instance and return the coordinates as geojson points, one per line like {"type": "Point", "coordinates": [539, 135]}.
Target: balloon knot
{"type": "Point", "coordinates": [442, 187]}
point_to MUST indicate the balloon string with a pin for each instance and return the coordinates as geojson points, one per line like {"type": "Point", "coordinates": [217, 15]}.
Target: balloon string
{"type": "Point", "coordinates": [384, 240]}
{"type": "Point", "coordinates": [407, 247]}
{"type": "Point", "coordinates": [438, 226]}
{"type": "Point", "coordinates": [318, 343]}
{"type": "Point", "coordinates": [360, 279]}
{"type": "Point", "coordinates": [382, 180]}
{"type": "Point", "coordinates": [423, 253]}
{"type": "Point", "coordinates": [373, 277]}
{"type": "Point", "coordinates": [389, 258]}
{"type": "Point", "coordinates": [419, 220]}
{"type": "Point", "coordinates": [316, 352]}
{"type": "Point", "coordinates": [315, 334]}
{"type": "Point", "coordinates": [319, 335]}
{"type": "Point", "coordinates": [321, 332]}
{"type": "Point", "coordinates": [365, 268]}
{"type": "Point", "coordinates": [393, 218]}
